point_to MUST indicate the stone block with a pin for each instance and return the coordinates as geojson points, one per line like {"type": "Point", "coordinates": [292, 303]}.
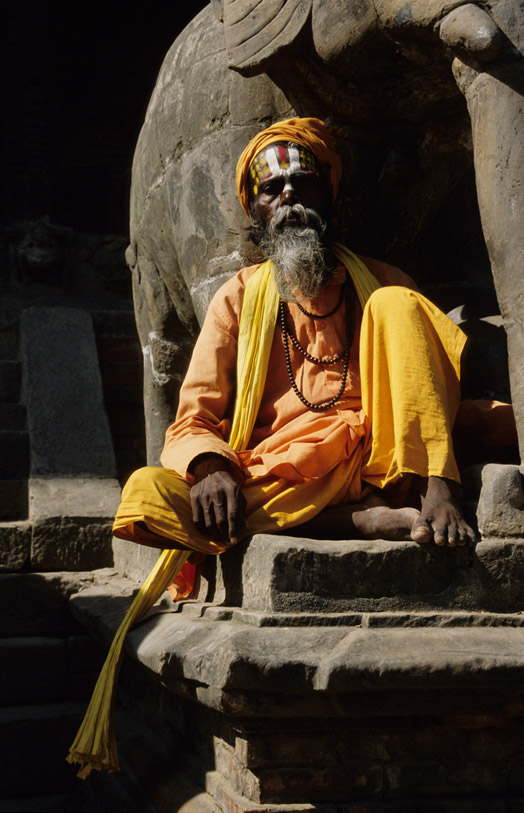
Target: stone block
{"type": "Point", "coordinates": [10, 378]}
{"type": "Point", "coordinates": [33, 743]}
{"type": "Point", "coordinates": [500, 511]}
{"type": "Point", "coordinates": [13, 499]}
{"type": "Point", "coordinates": [219, 788]}
{"type": "Point", "coordinates": [72, 519]}
{"type": "Point", "coordinates": [15, 545]}
{"type": "Point", "coordinates": [65, 409]}
{"type": "Point", "coordinates": [289, 575]}
{"type": "Point", "coordinates": [132, 560]}
{"type": "Point", "coordinates": [368, 658]}
{"type": "Point", "coordinates": [314, 778]}
{"type": "Point", "coordinates": [45, 680]}
{"type": "Point", "coordinates": [14, 454]}
{"type": "Point", "coordinates": [427, 778]}
{"type": "Point", "coordinates": [355, 781]}
{"type": "Point", "coordinates": [71, 543]}
{"type": "Point", "coordinates": [51, 497]}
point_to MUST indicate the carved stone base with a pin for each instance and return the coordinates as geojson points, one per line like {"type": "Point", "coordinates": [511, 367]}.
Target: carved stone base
{"type": "Point", "coordinates": [294, 709]}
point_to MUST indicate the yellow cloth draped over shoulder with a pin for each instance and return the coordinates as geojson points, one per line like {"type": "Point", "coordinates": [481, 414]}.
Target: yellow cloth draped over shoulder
{"type": "Point", "coordinates": [95, 744]}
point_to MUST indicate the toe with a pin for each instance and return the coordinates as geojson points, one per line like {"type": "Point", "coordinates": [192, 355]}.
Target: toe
{"type": "Point", "coordinates": [440, 535]}
{"type": "Point", "coordinates": [421, 532]}
{"type": "Point", "coordinates": [453, 536]}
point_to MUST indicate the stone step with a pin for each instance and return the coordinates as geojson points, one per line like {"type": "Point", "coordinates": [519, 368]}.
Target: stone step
{"type": "Point", "coordinates": [61, 669]}
{"type": "Point", "coordinates": [287, 574]}
{"type": "Point", "coordinates": [34, 741]}
{"type": "Point", "coordinates": [13, 499]}
{"type": "Point", "coordinates": [44, 682]}
{"type": "Point", "coordinates": [10, 379]}
{"type": "Point", "coordinates": [12, 416]}
{"type": "Point", "coordinates": [283, 574]}
{"type": "Point", "coordinates": [37, 604]}
{"type": "Point", "coordinates": [14, 455]}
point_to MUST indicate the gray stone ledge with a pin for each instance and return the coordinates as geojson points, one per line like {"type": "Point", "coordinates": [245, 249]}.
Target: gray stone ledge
{"type": "Point", "coordinates": [458, 618]}
{"type": "Point", "coordinates": [272, 573]}
{"type": "Point", "coordinates": [226, 656]}
{"type": "Point", "coordinates": [284, 574]}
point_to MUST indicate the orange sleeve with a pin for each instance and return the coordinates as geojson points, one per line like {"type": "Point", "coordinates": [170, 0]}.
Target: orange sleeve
{"type": "Point", "coordinates": [203, 420]}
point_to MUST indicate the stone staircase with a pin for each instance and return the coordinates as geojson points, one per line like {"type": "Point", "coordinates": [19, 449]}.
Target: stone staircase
{"type": "Point", "coordinates": [56, 507]}
{"type": "Point", "coordinates": [49, 666]}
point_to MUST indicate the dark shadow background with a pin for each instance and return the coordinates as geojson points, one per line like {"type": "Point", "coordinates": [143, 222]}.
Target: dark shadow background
{"type": "Point", "coordinates": [76, 81]}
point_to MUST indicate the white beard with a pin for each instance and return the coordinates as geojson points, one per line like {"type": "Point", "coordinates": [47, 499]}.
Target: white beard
{"type": "Point", "coordinates": [302, 262]}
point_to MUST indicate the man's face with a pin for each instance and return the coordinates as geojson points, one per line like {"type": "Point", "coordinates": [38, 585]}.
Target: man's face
{"type": "Point", "coordinates": [284, 174]}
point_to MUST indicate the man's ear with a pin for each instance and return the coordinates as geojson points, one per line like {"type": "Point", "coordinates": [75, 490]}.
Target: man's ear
{"type": "Point", "coordinates": [253, 219]}
{"type": "Point", "coordinates": [255, 226]}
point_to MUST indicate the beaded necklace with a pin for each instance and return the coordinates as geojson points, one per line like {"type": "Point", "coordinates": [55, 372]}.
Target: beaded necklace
{"type": "Point", "coordinates": [286, 335]}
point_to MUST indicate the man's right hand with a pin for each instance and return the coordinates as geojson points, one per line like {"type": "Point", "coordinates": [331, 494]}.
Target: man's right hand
{"type": "Point", "coordinates": [217, 501]}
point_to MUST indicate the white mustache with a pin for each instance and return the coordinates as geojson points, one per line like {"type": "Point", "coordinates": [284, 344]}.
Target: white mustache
{"type": "Point", "coordinates": [299, 216]}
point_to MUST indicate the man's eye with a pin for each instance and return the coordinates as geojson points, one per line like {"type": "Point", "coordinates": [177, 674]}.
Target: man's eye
{"type": "Point", "coordinates": [273, 187]}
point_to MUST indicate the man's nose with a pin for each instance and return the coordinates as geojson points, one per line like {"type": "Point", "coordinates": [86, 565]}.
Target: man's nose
{"type": "Point", "coordinates": [288, 194]}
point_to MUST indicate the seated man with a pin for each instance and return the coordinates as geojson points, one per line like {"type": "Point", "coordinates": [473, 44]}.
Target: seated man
{"type": "Point", "coordinates": [321, 395]}
{"type": "Point", "coordinates": [322, 390]}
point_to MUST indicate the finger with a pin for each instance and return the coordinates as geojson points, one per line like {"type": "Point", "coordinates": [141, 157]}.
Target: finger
{"type": "Point", "coordinates": [196, 511]}
{"type": "Point", "coordinates": [209, 519]}
{"type": "Point", "coordinates": [220, 507]}
{"type": "Point", "coordinates": [236, 516]}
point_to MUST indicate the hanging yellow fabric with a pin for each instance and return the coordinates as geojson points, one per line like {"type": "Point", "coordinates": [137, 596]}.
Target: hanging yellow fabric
{"type": "Point", "coordinates": [255, 337]}
{"type": "Point", "coordinates": [364, 281]}
{"type": "Point", "coordinates": [95, 743]}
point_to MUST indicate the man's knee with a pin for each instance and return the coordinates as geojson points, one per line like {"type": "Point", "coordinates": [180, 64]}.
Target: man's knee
{"type": "Point", "coordinates": [154, 478]}
{"type": "Point", "coordinates": [392, 299]}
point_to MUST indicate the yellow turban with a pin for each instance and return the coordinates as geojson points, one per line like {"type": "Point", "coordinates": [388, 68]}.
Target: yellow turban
{"type": "Point", "coordinates": [310, 133]}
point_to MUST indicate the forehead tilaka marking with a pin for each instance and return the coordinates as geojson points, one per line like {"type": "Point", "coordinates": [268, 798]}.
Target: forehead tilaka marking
{"type": "Point", "coordinates": [281, 160]}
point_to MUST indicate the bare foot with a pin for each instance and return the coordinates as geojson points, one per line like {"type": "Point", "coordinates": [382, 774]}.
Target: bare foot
{"type": "Point", "coordinates": [370, 519]}
{"type": "Point", "coordinates": [383, 522]}
{"type": "Point", "coordinates": [441, 519]}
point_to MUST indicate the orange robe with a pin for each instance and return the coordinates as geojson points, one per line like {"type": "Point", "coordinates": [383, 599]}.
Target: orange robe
{"type": "Point", "coordinates": [289, 440]}
{"type": "Point", "coordinates": [299, 461]}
